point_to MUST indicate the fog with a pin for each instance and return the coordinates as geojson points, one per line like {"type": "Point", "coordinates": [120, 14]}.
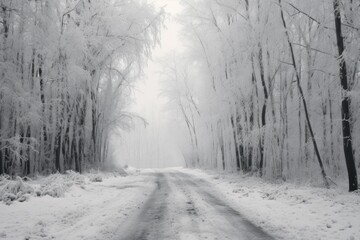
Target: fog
{"type": "Point", "coordinates": [154, 144]}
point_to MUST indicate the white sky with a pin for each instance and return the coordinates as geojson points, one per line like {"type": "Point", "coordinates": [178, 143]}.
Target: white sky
{"type": "Point", "coordinates": [154, 146]}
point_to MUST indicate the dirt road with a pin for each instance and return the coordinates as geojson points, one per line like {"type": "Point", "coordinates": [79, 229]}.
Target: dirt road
{"type": "Point", "coordinates": [183, 206]}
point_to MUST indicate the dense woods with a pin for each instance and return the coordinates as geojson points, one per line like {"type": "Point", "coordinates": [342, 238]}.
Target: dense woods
{"type": "Point", "coordinates": [66, 69]}
{"type": "Point", "coordinates": [264, 87]}
{"type": "Point", "coordinates": [270, 88]}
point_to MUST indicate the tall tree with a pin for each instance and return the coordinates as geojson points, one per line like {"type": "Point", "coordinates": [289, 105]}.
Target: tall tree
{"type": "Point", "coordinates": [57, 104]}
{"type": "Point", "coordinates": [345, 105]}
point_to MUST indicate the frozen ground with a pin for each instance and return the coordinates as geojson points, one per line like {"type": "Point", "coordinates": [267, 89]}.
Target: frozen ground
{"type": "Point", "coordinates": [90, 210]}
{"type": "Point", "coordinates": [183, 204]}
{"type": "Point", "coordinates": [289, 211]}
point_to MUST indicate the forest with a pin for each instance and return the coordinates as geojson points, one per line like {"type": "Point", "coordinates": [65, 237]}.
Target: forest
{"type": "Point", "coordinates": [270, 88]}
{"type": "Point", "coordinates": [66, 74]}
{"type": "Point", "coordinates": [267, 88]}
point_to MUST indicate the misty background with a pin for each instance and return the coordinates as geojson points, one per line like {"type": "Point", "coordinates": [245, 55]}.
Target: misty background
{"type": "Point", "coordinates": [155, 144]}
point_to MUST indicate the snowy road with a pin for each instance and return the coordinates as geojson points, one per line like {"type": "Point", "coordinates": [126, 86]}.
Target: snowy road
{"type": "Point", "coordinates": [178, 203]}
{"type": "Point", "coordinates": [183, 206]}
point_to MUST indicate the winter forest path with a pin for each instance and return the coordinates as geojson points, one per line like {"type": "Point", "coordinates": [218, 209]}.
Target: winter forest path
{"type": "Point", "coordinates": [182, 206]}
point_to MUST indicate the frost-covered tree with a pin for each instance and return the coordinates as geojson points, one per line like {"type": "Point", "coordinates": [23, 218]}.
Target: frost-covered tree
{"type": "Point", "coordinates": [66, 68]}
{"type": "Point", "coordinates": [266, 81]}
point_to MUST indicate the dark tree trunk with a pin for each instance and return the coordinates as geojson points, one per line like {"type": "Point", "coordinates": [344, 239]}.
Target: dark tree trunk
{"type": "Point", "coordinates": [58, 151]}
{"type": "Point", "coordinates": [94, 126]}
{"type": "Point", "coordinates": [345, 106]}
{"type": "Point", "coordinates": [222, 155]}
{"type": "Point", "coordinates": [42, 98]}
{"type": "Point", "coordinates": [237, 153]}
{"type": "Point", "coordinates": [263, 112]}
{"type": "Point", "coordinates": [28, 161]}
{"type": "Point", "coordinates": [251, 119]}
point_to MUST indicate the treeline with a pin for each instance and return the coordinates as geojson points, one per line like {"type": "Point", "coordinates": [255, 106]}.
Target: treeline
{"type": "Point", "coordinates": [65, 76]}
{"type": "Point", "coordinates": [271, 87]}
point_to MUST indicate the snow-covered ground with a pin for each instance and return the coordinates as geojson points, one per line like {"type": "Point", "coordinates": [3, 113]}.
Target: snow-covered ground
{"type": "Point", "coordinates": [290, 211]}
{"type": "Point", "coordinates": [88, 210]}
{"type": "Point", "coordinates": [178, 204]}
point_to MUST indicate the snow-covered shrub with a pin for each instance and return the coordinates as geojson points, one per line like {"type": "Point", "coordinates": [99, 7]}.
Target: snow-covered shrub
{"type": "Point", "coordinates": [74, 177]}
{"type": "Point", "coordinates": [4, 177]}
{"type": "Point", "coordinates": [94, 175]}
{"type": "Point", "coordinates": [15, 190]}
{"type": "Point", "coordinates": [53, 188]}
{"type": "Point", "coordinates": [95, 178]}
{"type": "Point", "coordinates": [57, 184]}
{"type": "Point", "coordinates": [2, 182]}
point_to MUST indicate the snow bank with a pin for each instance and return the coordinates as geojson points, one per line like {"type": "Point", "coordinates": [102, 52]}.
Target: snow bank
{"type": "Point", "coordinates": [131, 170]}
{"type": "Point", "coordinates": [12, 190]}
{"type": "Point", "coordinates": [57, 184]}
{"type": "Point", "coordinates": [87, 210]}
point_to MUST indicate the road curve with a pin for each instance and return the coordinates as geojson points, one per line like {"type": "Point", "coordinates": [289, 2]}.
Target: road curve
{"type": "Point", "coordinates": [185, 207]}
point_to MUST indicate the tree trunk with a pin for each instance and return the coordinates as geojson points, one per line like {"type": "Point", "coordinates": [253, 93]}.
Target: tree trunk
{"type": "Point", "coordinates": [345, 106]}
{"type": "Point", "coordinates": [237, 153]}
{"type": "Point", "coordinates": [303, 99]}
{"type": "Point", "coordinates": [263, 112]}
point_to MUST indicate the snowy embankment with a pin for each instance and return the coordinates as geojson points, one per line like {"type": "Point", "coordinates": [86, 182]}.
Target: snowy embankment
{"type": "Point", "coordinates": [290, 211]}
{"type": "Point", "coordinates": [69, 206]}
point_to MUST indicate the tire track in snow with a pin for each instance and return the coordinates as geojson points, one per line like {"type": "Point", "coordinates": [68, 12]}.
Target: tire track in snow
{"type": "Point", "coordinates": [240, 225]}
{"type": "Point", "coordinates": [148, 223]}
{"type": "Point", "coordinates": [185, 207]}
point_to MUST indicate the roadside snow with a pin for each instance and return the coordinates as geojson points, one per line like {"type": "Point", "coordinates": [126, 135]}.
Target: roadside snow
{"type": "Point", "coordinates": [289, 211]}
{"type": "Point", "coordinates": [74, 207]}
{"type": "Point", "coordinates": [96, 206]}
